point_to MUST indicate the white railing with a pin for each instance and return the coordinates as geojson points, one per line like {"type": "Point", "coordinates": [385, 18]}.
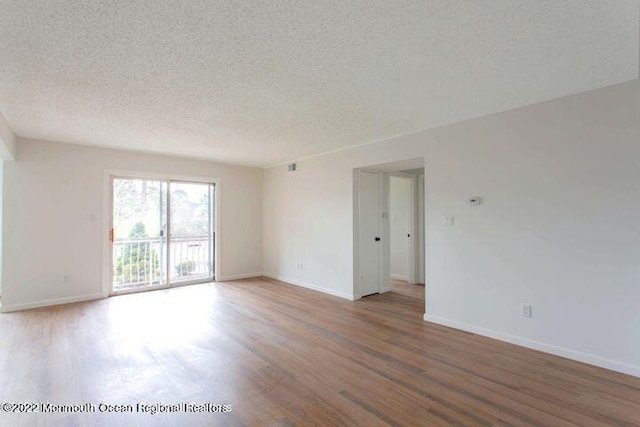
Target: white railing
{"type": "Point", "coordinates": [142, 261]}
{"type": "Point", "coordinates": [190, 258]}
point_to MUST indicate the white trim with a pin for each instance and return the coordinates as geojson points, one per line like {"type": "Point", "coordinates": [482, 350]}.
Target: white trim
{"type": "Point", "coordinates": [122, 173]}
{"type": "Point", "coordinates": [107, 217]}
{"type": "Point", "coordinates": [312, 287]}
{"type": "Point", "coordinates": [350, 147]}
{"type": "Point", "coordinates": [400, 277]}
{"type": "Point", "coordinates": [412, 277]}
{"type": "Point", "coordinates": [420, 229]}
{"type": "Point", "coordinates": [49, 302]}
{"type": "Point", "coordinates": [239, 277]}
{"type": "Point", "coordinates": [540, 346]}
{"type": "Point", "coordinates": [142, 289]}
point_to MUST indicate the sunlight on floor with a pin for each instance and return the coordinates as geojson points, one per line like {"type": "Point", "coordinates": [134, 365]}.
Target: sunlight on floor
{"type": "Point", "coordinates": [166, 318]}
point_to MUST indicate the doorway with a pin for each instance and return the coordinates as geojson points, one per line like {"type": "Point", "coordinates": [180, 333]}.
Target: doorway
{"type": "Point", "coordinates": [162, 233]}
{"type": "Point", "coordinates": [389, 230]}
{"type": "Point", "coordinates": [400, 226]}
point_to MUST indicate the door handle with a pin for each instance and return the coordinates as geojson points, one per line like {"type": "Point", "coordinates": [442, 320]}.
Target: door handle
{"type": "Point", "coordinates": [377, 239]}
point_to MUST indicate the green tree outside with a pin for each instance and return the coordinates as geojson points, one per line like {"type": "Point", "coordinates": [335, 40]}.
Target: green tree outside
{"type": "Point", "coordinates": [138, 262]}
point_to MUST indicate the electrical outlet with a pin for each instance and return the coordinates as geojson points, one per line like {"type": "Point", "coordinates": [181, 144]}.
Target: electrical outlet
{"type": "Point", "coordinates": [525, 310]}
{"type": "Point", "coordinates": [300, 266]}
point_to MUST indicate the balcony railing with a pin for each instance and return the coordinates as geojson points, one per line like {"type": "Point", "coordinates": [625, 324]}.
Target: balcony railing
{"type": "Point", "coordinates": [142, 261]}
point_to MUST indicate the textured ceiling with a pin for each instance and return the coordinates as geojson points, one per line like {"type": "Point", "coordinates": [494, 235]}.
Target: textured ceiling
{"type": "Point", "coordinates": [262, 82]}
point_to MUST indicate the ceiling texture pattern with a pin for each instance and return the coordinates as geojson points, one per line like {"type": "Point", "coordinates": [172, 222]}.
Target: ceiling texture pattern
{"type": "Point", "coordinates": [259, 83]}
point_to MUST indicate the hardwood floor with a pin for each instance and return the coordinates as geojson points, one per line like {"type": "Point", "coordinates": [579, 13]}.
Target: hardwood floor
{"type": "Point", "coordinates": [412, 291]}
{"type": "Point", "coordinates": [282, 356]}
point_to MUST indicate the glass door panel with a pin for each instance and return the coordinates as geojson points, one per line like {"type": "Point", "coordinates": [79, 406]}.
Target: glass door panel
{"type": "Point", "coordinates": [191, 232]}
{"type": "Point", "coordinates": [138, 234]}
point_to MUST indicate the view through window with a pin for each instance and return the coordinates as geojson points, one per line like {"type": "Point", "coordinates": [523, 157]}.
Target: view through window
{"type": "Point", "coordinates": [163, 233]}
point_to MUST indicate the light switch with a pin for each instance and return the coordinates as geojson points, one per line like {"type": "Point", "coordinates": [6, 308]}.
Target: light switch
{"type": "Point", "coordinates": [448, 221]}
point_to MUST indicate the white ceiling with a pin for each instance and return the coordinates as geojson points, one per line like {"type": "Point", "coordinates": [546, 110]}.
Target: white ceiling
{"type": "Point", "coordinates": [262, 82]}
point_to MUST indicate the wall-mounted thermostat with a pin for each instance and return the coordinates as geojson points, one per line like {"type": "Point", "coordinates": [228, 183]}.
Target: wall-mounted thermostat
{"type": "Point", "coordinates": [475, 200]}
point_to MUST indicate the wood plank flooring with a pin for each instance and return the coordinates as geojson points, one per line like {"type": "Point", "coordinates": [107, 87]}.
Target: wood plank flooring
{"type": "Point", "coordinates": [404, 288]}
{"type": "Point", "coordinates": [283, 356]}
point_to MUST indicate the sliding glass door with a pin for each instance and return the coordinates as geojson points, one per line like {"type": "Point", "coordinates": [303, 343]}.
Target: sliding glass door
{"type": "Point", "coordinates": [191, 232]}
{"type": "Point", "coordinates": [162, 234]}
{"type": "Point", "coordinates": [137, 234]}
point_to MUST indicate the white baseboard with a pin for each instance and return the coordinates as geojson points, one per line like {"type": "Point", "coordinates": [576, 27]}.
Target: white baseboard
{"type": "Point", "coordinates": [238, 276]}
{"type": "Point", "coordinates": [49, 302]}
{"type": "Point", "coordinates": [311, 286]}
{"type": "Point", "coordinates": [400, 277]}
{"type": "Point", "coordinates": [540, 346]}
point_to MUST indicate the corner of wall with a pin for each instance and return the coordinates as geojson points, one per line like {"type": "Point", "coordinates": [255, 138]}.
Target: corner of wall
{"type": "Point", "coordinates": [8, 141]}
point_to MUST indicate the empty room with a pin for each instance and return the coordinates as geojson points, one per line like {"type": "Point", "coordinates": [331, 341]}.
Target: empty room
{"type": "Point", "coordinates": [296, 213]}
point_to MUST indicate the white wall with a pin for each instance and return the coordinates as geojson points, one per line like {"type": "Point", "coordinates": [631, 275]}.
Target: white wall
{"type": "Point", "coordinates": [7, 140]}
{"type": "Point", "coordinates": [54, 222]}
{"type": "Point", "coordinates": [1, 221]}
{"type": "Point", "coordinates": [559, 227]}
{"type": "Point", "coordinates": [399, 193]}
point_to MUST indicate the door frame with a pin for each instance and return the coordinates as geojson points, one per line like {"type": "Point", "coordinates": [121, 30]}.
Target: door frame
{"type": "Point", "coordinates": [384, 248]}
{"type": "Point", "coordinates": [107, 219]}
{"type": "Point", "coordinates": [420, 196]}
{"type": "Point", "coordinates": [412, 222]}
